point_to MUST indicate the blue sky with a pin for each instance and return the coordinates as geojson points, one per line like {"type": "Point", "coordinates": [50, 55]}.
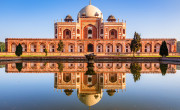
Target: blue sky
{"type": "Point", "coordinates": [35, 18]}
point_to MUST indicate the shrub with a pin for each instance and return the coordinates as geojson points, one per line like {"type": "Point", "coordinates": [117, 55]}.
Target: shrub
{"type": "Point", "coordinates": [19, 66]}
{"type": "Point", "coordinates": [18, 51]}
{"type": "Point", "coordinates": [46, 51]}
{"type": "Point", "coordinates": [136, 71]}
{"type": "Point", "coordinates": [60, 46]}
{"type": "Point", "coordinates": [163, 68]}
{"type": "Point", "coordinates": [163, 49]}
{"type": "Point", "coordinates": [136, 43]}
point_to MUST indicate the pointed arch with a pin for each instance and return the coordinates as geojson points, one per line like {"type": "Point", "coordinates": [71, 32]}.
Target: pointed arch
{"type": "Point", "coordinates": [42, 47]}
{"type": "Point", "coordinates": [113, 34]}
{"type": "Point", "coordinates": [128, 49]}
{"type": "Point", "coordinates": [24, 47]}
{"type": "Point", "coordinates": [66, 34]}
{"type": "Point", "coordinates": [13, 47]}
{"type": "Point", "coordinates": [100, 48]}
{"type": "Point", "coordinates": [119, 47]}
{"type": "Point", "coordinates": [109, 48]}
{"type": "Point", "coordinates": [157, 48]}
{"type": "Point", "coordinates": [148, 48]}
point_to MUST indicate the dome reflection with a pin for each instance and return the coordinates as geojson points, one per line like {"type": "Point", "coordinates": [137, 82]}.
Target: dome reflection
{"type": "Point", "coordinates": [89, 80]}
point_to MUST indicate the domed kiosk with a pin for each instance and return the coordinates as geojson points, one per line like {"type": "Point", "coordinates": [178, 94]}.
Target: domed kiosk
{"type": "Point", "coordinates": [68, 18]}
{"type": "Point", "coordinates": [111, 18]}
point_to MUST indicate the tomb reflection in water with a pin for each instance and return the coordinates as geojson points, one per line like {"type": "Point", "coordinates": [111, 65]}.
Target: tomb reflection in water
{"type": "Point", "coordinates": [91, 79]}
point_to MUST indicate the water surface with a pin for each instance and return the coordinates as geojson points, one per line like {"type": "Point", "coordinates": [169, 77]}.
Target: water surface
{"type": "Point", "coordinates": [82, 86]}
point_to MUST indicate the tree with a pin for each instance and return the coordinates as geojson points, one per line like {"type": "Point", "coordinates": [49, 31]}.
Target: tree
{"type": "Point", "coordinates": [18, 50]}
{"type": "Point", "coordinates": [2, 47]}
{"type": "Point", "coordinates": [60, 46]}
{"type": "Point", "coordinates": [46, 51]}
{"type": "Point", "coordinates": [2, 66]}
{"type": "Point", "coordinates": [163, 49]}
{"type": "Point", "coordinates": [178, 46]}
{"type": "Point", "coordinates": [19, 66]}
{"type": "Point", "coordinates": [163, 68]}
{"type": "Point", "coordinates": [60, 67]}
{"type": "Point", "coordinates": [136, 71]}
{"type": "Point", "coordinates": [136, 43]}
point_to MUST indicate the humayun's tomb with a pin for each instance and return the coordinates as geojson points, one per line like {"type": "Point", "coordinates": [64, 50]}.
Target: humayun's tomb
{"type": "Point", "coordinates": [90, 33]}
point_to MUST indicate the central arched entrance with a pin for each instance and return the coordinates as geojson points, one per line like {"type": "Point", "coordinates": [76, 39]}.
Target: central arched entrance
{"type": "Point", "coordinates": [90, 48]}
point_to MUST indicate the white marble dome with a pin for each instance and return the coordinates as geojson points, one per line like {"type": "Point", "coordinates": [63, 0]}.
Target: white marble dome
{"type": "Point", "coordinates": [90, 11]}
{"type": "Point", "coordinates": [90, 99]}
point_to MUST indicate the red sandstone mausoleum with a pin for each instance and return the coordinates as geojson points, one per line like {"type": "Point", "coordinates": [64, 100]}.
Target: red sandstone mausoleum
{"type": "Point", "coordinates": [90, 33]}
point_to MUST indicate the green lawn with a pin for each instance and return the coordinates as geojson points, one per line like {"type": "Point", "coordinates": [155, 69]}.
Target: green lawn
{"type": "Point", "coordinates": [22, 56]}
{"type": "Point", "coordinates": [157, 56]}
{"type": "Point", "coordinates": [149, 56]}
{"type": "Point", "coordinates": [7, 56]}
{"type": "Point", "coordinates": [109, 55]}
{"type": "Point", "coordinates": [173, 56]}
{"type": "Point", "coordinates": [33, 56]}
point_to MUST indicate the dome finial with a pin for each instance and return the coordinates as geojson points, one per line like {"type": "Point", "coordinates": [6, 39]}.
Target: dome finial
{"type": "Point", "coordinates": [90, 2]}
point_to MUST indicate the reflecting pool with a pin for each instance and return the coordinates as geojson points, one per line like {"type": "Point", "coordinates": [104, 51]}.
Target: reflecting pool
{"type": "Point", "coordinates": [53, 85]}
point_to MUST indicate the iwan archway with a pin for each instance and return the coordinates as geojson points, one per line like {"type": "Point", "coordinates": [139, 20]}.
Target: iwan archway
{"type": "Point", "coordinates": [90, 48]}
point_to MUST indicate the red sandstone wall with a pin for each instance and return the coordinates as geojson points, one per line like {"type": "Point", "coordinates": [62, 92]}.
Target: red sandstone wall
{"type": "Point", "coordinates": [47, 42]}
{"type": "Point", "coordinates": [98, 38]}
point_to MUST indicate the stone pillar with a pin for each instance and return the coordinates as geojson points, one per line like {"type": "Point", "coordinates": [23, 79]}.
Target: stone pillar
{"type": "Point", "coordinates": [47, 46]}
{"type": "Point", "coordinates": [172, 47]}
{"type": "Point", "coordinates": [152, 66]}
{"type": "Point", "coordinates": [67, 48]}
{"type": "Point", "coordinates": [104, 47]}
{"type": "Point", "coordinates": [28, 66]}
{"type": "Point", "coordinates": [152, 47]}
{"type": "Point", "coordinates": [114, 47]}
{"type": "Point", "coordinates": [143, 47]}
{"type": "Point", "coordinates": [37, 47]}
{"type": "Point", "coordinates": [121, 32]}
{"type": "Point", "coordinates": [28, 47]}
{"type": "Point", "coordinates": [55, 46]}
{"type": "Point", "coordinates": [123, 47]}
{"type": "Point", "coordinates": [95, 47]}
{"type": "Point", "coordinates": [57, 28]}
{"type": "Point", "coordinates": [84, 44]}
{"type": "Point", "coordinates": [38, 66]}
{"type": "Point", "coordinates": [75, 47]}
{"type": "Point", "coordinates": [62, 33]}
{"type": "Point", "coordinates": [114, 67]}
{"type": "Point", "coordinates": [9, 47]}
{"type": "Point", "coordinates": [118, 33]}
